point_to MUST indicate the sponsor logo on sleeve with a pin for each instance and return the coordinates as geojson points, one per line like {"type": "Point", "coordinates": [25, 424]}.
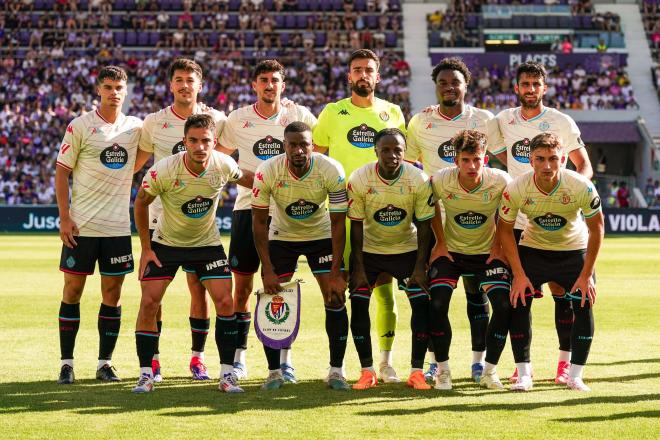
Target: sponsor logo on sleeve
{"type": "Point", "coordinates": [595, 203]}
{"type": "Point", "coordinates": [390, 215]}
{"type": "Point", "coordinates": [114, 157]}
{"type": "Point", "coordinates": [197, 207]}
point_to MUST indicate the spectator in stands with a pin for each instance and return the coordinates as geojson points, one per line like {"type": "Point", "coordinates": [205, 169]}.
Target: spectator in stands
{"type": "Point", "coordinates": [623, 195]}
{"type": "Point", "coordinates": [567, 46]}
{"type": "Point", "coordinates": [656, 192]}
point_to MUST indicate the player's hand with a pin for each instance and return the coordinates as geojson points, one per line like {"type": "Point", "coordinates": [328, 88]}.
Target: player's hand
{"type": "Point", "coordinates": [286, 102]}
{"type": "Point", "coordinates": [337, 289]}
{"type": "Point", "coordinates": [585, 285]}
{"type": "Point", "coordinates": [519, 288]}
{"type": "Point", "coordinates": [428, 109]}
{"type": "Point", "coordinates": [418, 279]}
{"type": "Point", "coordinates": [68, 230]}
{"type": "Point", "coordinates": [204, 108]}
{"type": "Point", "coordinates": [358, 280]}
{"type": "Point", "coordinates": [440, 250]}
{"type": "Point", "coordinates": [271, 283]}
{"type": "Point", "coordinates": [148, 256]}
{"type": "Point", "coordinates": [497, 254]}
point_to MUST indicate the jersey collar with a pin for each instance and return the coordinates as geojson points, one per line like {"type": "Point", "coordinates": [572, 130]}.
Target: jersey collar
{"type": "Point", "coordinates": [473, 190]}
{"type": "Point", "coordinates": [455, 118]}
{"type": "Point", "coordinates": [311, 165]}
{"type": "Point", "coordinates": [554, 190]}
{"type": "Point", "coordinates": [192, 173]}
{"type": "Point", "coordinates": [389, 182]}
{"type": "Point", "coordinates": [265, 118]}
{"type": "Point", "coordinates": [545, 109]}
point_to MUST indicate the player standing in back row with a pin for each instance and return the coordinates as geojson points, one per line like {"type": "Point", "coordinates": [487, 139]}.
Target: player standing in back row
{"type": "Point", "coordinates": [518, 126]}
{"type": "Point", "coordinates": [346, 131]}
{"type": "Point", "coordinates": [99, 150]}
{"type": "Point", "coordinates": [162, 135]}
{"type": "Point", "coordinates": [257, 132]}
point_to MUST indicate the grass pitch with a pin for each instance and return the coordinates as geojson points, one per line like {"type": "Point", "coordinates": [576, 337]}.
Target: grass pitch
{"type": "Point", "coordinates": [623, 370]}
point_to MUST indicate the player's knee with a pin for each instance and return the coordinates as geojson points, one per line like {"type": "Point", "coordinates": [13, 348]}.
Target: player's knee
{"type": "Point", "coordinates": [440, 298]}
{"type": "Point", "coordinates": [499, 300]}
{"type": "Point", "coordinates": [149, 305]}
{"type": "Point", "coordinates": [224, 305]}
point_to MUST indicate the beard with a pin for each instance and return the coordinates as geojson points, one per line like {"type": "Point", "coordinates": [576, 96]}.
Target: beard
{"type": "Point", "coordinates": [450, 103]}
{"type": "Point", "coordinates": [525, 104]}
{"type": "Point", "coordinates": [362, 90]}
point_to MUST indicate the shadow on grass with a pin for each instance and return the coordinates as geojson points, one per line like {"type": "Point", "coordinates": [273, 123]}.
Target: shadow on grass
{"type": "Point", "coordinates": [628, 361]}
{"type": "Point", "coordinates": [628, 415]}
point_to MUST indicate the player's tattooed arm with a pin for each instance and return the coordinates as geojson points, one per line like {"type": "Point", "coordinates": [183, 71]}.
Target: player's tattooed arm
{"type": "Point", "coordinates": [580, 159]}
{"type": "Point", "coordinates": [358, 277]}
{"type": "Point", "coordinates": [440, 248]}
{"type": "Point", "coordinates": [418, 277]}
{"type": "Point", "coordinates": [68, 228]}
{"type": "Point", "coordinates": [337, 282]}
{"type": "Point", "coordinates": [521, 284]}
{"type": "Point", "coordinates": [585, 281]}
{"type": "Point", "coordinates": [260, 232]}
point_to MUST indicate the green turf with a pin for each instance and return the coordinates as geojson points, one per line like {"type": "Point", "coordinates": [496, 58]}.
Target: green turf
{"type": "Point", "coordinates": [624, 369]}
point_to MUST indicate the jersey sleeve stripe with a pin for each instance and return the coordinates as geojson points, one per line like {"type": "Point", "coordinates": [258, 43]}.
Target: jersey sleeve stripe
{"type": "Point", "coordinates": [338, 196]}
{"type": "Point", "coordinates": [64, 166]}
{"type": "Point", "coordinates": [338, 210]}
{"type": "Point", "coordinates": [592, 214]}
{"type": "Point", "coordinates": [500, 150]}
{"type": "Point", "coordinates": [506, 221]}
{"type": "Point", "coordinates": [357, 219]}
{"type": "Point", "coordinates": [260, 206]}
{"type": "Point", "coordinates": [426, 218]}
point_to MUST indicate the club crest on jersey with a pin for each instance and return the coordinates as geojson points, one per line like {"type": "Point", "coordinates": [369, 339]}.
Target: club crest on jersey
{"type": "Point", "coordinates": [390, 215]}
{"type": "Point", "coordinates": [447, 152]}
{"type": "Point", "coordinates": [114, 157]}
{"type": "Point", "coordinates": [178, 147]}
{"type": "Point", "coordinates": [565, 199]}
{"type": "Point", "coordinates": [520, 151]}
{"type": "Point", "coordinates": [197, 207]}
{"type": "Point", "coordinates": [268, 147]}
{"type": "Point", "coordinates": [384, 116]}
{"type": "Point", "coordinates": [470, 219]}
{"type": "Point", "coordinates": [472, 124]}
{"type": "Point", "coordinates": [277, 310]}
{"type": "Point", "coordinates": [215, 180]}
{"type": "Point", "coordinates": [284, 122]}
{"type": "Point", "coordinates": [550, 222]}
{"type": "Point", "coordinates": [301, 209]}
{"type": "Point", "coordinates": [544, 126]}
{"type": "Point", "coordinates": [361, 136]}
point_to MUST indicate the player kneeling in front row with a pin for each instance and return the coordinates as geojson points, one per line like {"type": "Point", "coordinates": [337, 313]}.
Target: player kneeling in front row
{"type": "Point", "coordinates": [299, 182]}
{"type": "Point", "coordinates": [384, 196]}
{"type": "Point", "coordinates": [557, 245]}
{"type": "Point", "coordinates": [470, 195]}
{"type": "Point", "coordinates": [189, 185]}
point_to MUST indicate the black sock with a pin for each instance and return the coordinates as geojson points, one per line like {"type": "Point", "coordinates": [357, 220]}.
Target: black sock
{"type": "Point", "coordinates": [146, 342]}
{"type": "Point", "coordinates": [336, 326]}
{"type": "Point", "coordinates": [108, 325]}
{"type": "Point", "coordinates": [272, 357]}
{"type": "Point", "coordinates": [419, 326]}
{"type": "Point", "coordinates": [225, 338]}
{"type": "Point", "coordinates": [361, 327]}
{"type": "Point", "coordinates": [69, 322]}
{"type": "Point", "coordinates": [498, 327]}
{"type": "Point", "coordinates": [243, 320]}
{"type": "Point", "coordinates": [583, 332]}
{"type": "Point", "coordinates": [563, 322]}
{"type": "Point", "coordinates": [477, 312]}
{"type": "Point", "coordinates": [521, 330]}
{"type": "Point", "coordinates": [439, 326]}
{"type": "Point", "coordinates": [159, 324]}
{"type": "Point", "coordinates": [199, 329]}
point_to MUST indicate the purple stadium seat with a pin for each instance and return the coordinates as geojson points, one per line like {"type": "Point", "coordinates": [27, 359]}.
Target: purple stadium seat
{"type": "Point", "coordinates": [360, 5]}
{"type": "Point", "coordinates": [213, 38]}
{"type": "Point", "coordinates": [434, 39]}
{"type": "Point", "coordinates": [565, 22]}
{"type": "Point", "coordinates": [284, 39]}
{"type": "Point", "coordinates": [115, 21]}
{"type": "Point", "coordinates": [303, 5]}
{"type": "Point", "coordinates": [390, 39]}
{"type": "Point", "coordinates": [338, 5]}
{"type": "Point", "coordinates": [173, 20]}
{"type": "Point", "coordinates": [313, 5]}
{"type": "Point", "coordinates": [232, 23]}
{"type": "Point", "coordinates": [320, 39]}
{"type": "Point", "coordinates": [196, 19]}
{"type": "Point", "coordinates": [473, 21]}
{"type": "Point", "coordinates": [290, 22]}
{"type": "Point", "coordinates": [529, 21]}
{"type": "Point", "coordinates": [177, 5]}
{"type": "Point", "coordinates": [24, 37]}
{"type": "Point", "coordinates": [516, 21]}
{"type": "Point", "coordinates": [279, 21]}
{"type": "Point", "coordinates": [587, 22]}
{"type": "Point", "coordinates": [301, 21]}
{"type": "Point", "coordinates": [154, 38]}
{"type": "Point", "coordinates": [130, 5]}
{"type": "Point", "coordinates": [542, 22]}
{"type": "Point", "coordinates": [119, 5]}
{"type": "Point", "coordinates": [372, 21]}
{"type": "Point", "coordinates": [552, 22]}
{"type": "Point", "coordinates": [34, 18]}
{"type": "Point", "coordinates": [268, 4]}
{"type": "Point", "coordinates": [234, 5]}
{"type": "Point", "coordinates": [143, 39]}
{"type": "Point", "coordinates": [249, 39]}
{"type": "Point", "coordinates": [131, 38]}
{"type": "Point", "coordinates": [120, 37]}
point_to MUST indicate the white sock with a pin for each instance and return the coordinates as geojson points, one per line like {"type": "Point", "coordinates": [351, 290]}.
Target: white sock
{"type": "Point", "coordinates": [156, 357]}
{"type": "Point", "coordinates": [147, 371]}
{"type": "Point", "coordinates": [478, 357]}
{"type": "Point", "coordinates": [103, 362]}
{"type": "Point", "coordinates": [226, 369]}
{"type": "Point", "coordinates": [386, 357]}
{"type": "Point", "coordinates": [443, 366]}
{"type": "Point", "coordinates": [68, 362]}
{"type": "Point", "coordinates": [524, 369]}
{"type": "Point", "coordinates": [575, 371]}
{"type": "Point", "coordinates": [412, 370]}
{"type": "Point", "coordinates": [338, 370]}
{"type": "Point", "coordinates": [278, 371]}
{"type": "Point", "coordinates": [285, 356]}
{"type": "Point", "coordinates": [564, 356]}
{"type": "Point", "coordinates": [239, 356]}
{"type": "Point", "coordinates": [489, 368]}
{"type": "Point", "coordinates": [369, 369]}
{"type": "Point", "coordinates": [431, 357]}
{"type": "Point", "coordinates": [198, 354]}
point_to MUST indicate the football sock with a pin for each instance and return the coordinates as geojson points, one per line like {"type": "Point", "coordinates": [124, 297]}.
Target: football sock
{"type": "Point", "coordinates": [243, 320]}
{"type": "Point", "coordinates": [199, 329]}
{"type": "Point", "coordinates": [285, 356]}
{"type": "Point", "coordinates": [524, 369]}
{"type": "Point", "coordinates": [240, 355]}
{"type": "Point", "coordinates": [146, 370]}
{"type": "Point", "coordinates": [575, 371]}
{"type": "Point", "coordinates": [419, 325]}
{"type": "Point", "coordinates": [198, 355]}
{"type": "Point", "coordinates": [564, 356]}
{"type": "Point", "coordinates": [489, 368]}
{"type": "Point", "coordinates": [386, 315]}
{"type": "Point", "coordinates": [498, 327]}
{"type": "Point", "coordinates": [69, 322]}
{"type": "Point", "coordinates": [443, 366]}
{"type": "Point", "coordinates": [477, 312]}
{"type": "Point", "coordinates": [440, 328]}
{"type": "Point", "coordinates": [159, 324]}
{"type": "Point", "coordinates": [225, 337]}
{"type": "Point", "coordinates": [336, 326]}
{"type": "Point", "coordinates": [273, 358]}
{"type": "Point", "coordinates": [109, 322]}
{"type": "Point", "coordinates": [563, 322]}
{"type": "Point", "coordinates": [68, 362]}
{"type": "Point", "coordinates": [583, 332]}
{"type": "Point", "coordinates": [146, 342]}
{"type": "Point", "coordinates": [361, 326]}
{"type": "Point", "coordinates": [431, 355]}
{"type": "Point", "coordinates": [386, 357]}
{"type": "Point", "coordinates": [521, 331]}
{"type": "Point", "coordinates": [103, 362]}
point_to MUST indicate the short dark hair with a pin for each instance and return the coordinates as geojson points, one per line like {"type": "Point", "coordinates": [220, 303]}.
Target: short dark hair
{"type": "Point", "coordinates": [114, 73]}
{"type": "Point", "coordinates": [199, 121]}
{"type": "Point", "coordinates": [297, 127]}
{"type": "Point", "coordinates": [531, 68]}
{"type": "Point", "coordinates": [389, 132]}
{"type": "Point", "coordinates": [469, 141]}
{"type": "Point", "coordinates": [267, 66]}
{"type": "Point", "coordinates": [362, 54]}
{"type": "Point", "coordinates": [186, 65]}
{"type": "Point", "coordinates": [453, 63]}
{"type": "Point", "coordinates": [544, 140]}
